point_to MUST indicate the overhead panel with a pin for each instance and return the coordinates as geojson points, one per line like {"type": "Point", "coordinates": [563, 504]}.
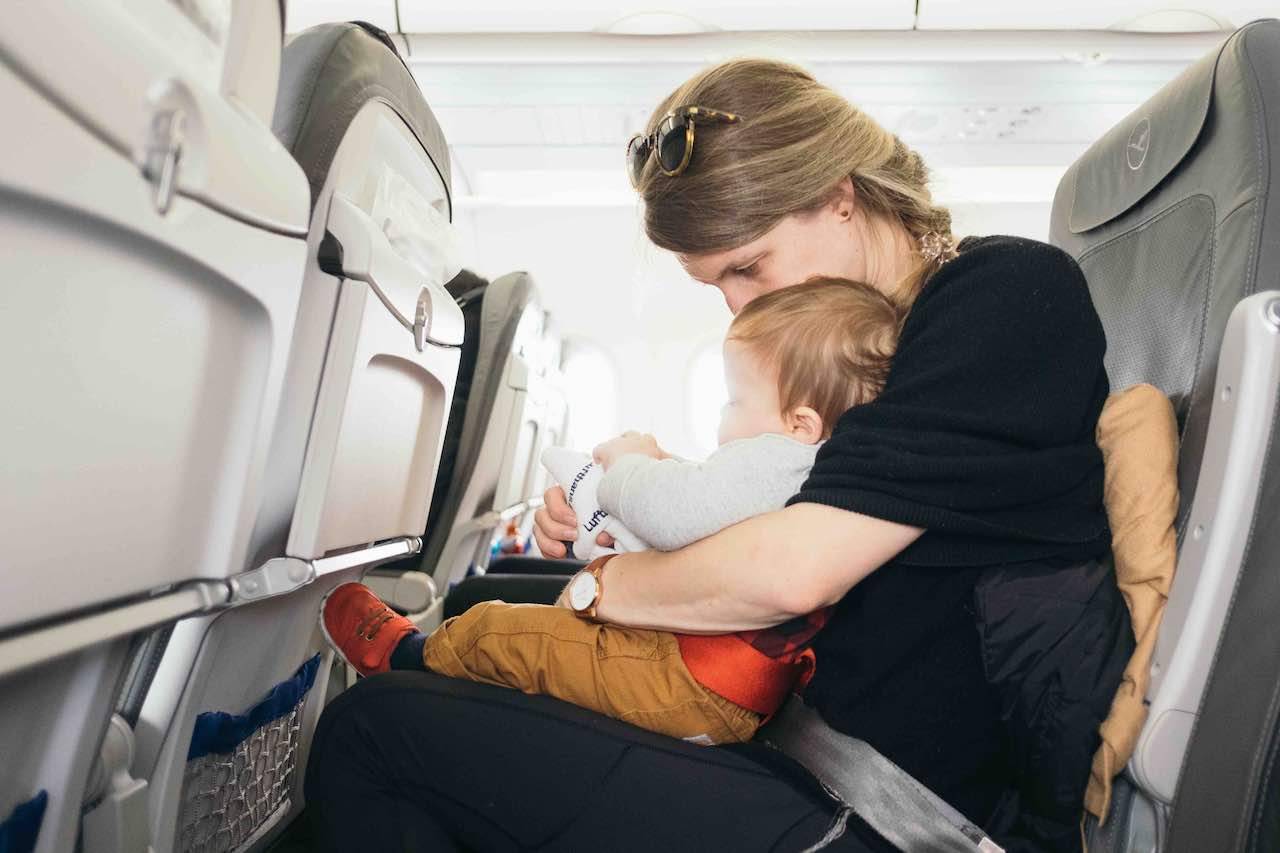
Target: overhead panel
{"type": "Point", "coordinates": [647, 18]}
{"type": "Point", "coordinates": [1133, 15]}
{"type": "Point", "coordinates": [301, 14]}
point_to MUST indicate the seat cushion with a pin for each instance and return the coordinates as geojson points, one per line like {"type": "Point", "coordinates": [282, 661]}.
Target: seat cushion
{"type": "Point", "coordinates": [515, 589]}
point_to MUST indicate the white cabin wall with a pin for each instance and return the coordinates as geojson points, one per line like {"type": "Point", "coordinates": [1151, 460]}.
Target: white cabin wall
{"type": "Point", "coordinates": [605, 285]}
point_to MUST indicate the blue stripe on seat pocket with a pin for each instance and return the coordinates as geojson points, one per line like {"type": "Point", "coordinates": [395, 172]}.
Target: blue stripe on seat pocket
{"type": "Point", "coordinates": [20, 830]}
{"type": "Point", "coordinates": [217, 732]}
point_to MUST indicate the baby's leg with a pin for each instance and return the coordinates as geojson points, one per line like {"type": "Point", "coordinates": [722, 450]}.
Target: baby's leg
{"type": "Point", "coordinates": [630, 674]}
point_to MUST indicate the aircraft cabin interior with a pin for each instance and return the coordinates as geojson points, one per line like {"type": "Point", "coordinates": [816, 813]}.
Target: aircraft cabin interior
{"type": "Point", "coordinates": [323, 320]}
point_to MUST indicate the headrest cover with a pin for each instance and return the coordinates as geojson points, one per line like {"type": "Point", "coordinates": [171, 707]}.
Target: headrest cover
{"type": "Point", "coordinates": [327, 74]}
{"type": "Point", "coordinates": [1120, 169]}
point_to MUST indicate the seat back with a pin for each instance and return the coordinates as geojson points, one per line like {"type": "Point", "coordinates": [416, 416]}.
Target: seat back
{"type": "Point", "coordinates": [1172, 217]}
{"type": "Point", "coordinates": [225, 729]}
{"type": "Point", "coordinates": [468, 291]}
{"type": "Point", "coordinates": [144, 367]}
{"type": "Point", "coordinates": [499, 431]}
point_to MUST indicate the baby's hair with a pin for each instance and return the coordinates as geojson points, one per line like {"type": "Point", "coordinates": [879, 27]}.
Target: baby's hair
{"type": "Point", "coordinates": [830, 339]}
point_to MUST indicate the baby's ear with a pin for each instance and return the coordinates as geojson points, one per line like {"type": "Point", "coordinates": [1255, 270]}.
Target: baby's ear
{"type": "Point", "coordinates": [804, 425]}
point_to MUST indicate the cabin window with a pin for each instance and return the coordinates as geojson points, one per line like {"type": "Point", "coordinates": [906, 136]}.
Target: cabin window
{"type": "Point", "coordinates": [591, 394]}
{"type": "Point", "coordinates": [706, 396]}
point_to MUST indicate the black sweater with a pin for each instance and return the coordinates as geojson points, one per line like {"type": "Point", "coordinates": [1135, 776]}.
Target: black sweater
{"type": "Point", "coordinates": [984, 436]}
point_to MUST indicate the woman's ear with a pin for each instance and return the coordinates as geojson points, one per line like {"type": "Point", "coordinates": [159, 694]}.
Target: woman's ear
{"type": "Point", "coordinates": [843, 199]}
{"type": "Point", "coordinates": [804, 425]}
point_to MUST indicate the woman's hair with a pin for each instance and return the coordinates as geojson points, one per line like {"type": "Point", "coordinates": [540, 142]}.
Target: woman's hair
{"type": "Point", "coordinates": [797, 140]}
{"type": "Point", "coordinates": [830, 340]}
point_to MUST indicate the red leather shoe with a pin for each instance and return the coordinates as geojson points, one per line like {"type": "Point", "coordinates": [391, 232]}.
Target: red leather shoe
{"type": "Point", "coordinates": [362, 629]}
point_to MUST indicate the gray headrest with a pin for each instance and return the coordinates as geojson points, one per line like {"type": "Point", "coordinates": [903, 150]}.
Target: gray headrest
{"type": "Point", "coordinates": [504, 304]}
{"type": "Point", "coordinates": [1120, 169]}
{"type": "Point", "coordinates": [327, 74]}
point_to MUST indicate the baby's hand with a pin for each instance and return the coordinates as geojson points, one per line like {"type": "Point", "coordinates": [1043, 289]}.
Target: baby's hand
{"type": "Point", "coordinates": [629, 442]}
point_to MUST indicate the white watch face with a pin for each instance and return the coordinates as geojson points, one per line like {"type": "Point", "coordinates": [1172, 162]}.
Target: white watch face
{"type": "Point", "coordinates": [582, 591]}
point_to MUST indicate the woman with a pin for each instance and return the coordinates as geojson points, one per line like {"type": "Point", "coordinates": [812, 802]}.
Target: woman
{"type": "Point", "coordinates": [978, 454]}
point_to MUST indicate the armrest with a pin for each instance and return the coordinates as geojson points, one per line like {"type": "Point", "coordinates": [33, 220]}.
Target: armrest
{"type": "Point", "coordinates": [519, 564]}
{"type": "Point", "coordinates": [523, 589]}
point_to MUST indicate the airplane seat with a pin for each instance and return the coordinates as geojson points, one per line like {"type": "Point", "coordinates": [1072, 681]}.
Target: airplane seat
{"type": "Point", "coordinates": [468, 291]}
{"type": "Point", "coordinates": [499, 437]}
{"type": "Point", "coordinates": [528, 564]}
{"type": "Point", "coordinates": [400, 583]}
{"type": "Point", "coordinates": [153, 231]}
{"type": "Point", "coordinates": [1173, 217]}
{"type": "Point", "coordinates": [225, 729]}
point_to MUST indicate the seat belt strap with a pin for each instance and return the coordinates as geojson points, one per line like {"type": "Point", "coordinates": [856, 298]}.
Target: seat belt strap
{"type": "Point", "coordinates": [891, 801]}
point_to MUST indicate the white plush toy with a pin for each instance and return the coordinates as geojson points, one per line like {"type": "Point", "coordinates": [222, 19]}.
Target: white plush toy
{"type": "Point", "coordinates": [580, 478]}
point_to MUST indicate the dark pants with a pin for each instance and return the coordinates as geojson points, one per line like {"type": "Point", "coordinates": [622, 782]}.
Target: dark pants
{"type": "Point", "coordinates": [411, 761]}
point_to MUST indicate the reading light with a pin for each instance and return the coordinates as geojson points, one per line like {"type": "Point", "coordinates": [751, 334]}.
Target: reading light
{"type": "Point", "coordinates": [656, 24]}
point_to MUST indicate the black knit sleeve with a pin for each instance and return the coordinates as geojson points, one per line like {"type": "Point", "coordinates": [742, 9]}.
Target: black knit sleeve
{"type": "Point", "coordinates": [984, 434]}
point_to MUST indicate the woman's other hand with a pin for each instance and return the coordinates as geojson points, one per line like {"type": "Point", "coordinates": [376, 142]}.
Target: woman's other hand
{"type": "Point", "coordinates": [555, 524]}
{"type": "Point", "coordinates": [629, 442]}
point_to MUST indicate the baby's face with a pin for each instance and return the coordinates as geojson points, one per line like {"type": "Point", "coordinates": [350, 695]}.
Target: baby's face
{"type": "Point", "coordinates": [753, 408]}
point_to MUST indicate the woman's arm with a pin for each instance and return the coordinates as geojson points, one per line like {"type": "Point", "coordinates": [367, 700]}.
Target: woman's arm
{"type": "Point", "coordinates": [756, 574]}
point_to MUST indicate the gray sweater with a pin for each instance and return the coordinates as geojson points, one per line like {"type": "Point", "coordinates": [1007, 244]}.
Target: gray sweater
{"type": "Point", "coordinates": [670, 503]}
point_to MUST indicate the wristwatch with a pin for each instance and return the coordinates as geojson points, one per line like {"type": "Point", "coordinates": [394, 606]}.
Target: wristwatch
{"type": "Point", "coordinates": [586, 587]}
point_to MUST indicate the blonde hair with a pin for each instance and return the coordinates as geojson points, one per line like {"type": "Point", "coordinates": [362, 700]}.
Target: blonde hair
{"type": "Point", "coordinates": [797, 141]}
{"type": "Point", "coordinates": [829, 339]}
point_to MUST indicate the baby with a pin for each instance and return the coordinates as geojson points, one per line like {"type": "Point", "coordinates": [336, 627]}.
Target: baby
{"type": "Point", "coordinates": [795, 360]}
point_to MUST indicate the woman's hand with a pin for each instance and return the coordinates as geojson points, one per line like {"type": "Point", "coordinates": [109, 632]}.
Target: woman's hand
{"type": "Point", "coordinates": [555, 524]}
{"type": "Point", "coordinates": [629, 442]}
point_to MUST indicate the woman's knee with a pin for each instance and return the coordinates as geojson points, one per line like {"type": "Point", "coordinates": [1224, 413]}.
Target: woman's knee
{"type": "Point", "coordinates": [348, 741]}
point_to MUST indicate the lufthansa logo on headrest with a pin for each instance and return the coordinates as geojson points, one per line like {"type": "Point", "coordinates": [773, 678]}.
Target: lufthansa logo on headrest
{"type": "Point", "coordinates": [1135, 153]}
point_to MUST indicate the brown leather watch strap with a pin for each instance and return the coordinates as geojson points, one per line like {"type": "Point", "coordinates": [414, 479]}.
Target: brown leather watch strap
{"type": "Point", "coordinates": [596, 569]}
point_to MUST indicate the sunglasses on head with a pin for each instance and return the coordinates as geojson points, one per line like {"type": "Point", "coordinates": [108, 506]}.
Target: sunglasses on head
{"type": "Point", "coordinates": [671, 141]}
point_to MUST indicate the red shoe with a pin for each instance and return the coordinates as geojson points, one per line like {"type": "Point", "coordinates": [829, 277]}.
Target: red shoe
{"type": "Point", "coordinates": [362, 629]}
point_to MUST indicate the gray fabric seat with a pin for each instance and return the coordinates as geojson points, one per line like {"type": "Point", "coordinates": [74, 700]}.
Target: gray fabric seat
{"type": "Point", "coordinates": [1173, 218]}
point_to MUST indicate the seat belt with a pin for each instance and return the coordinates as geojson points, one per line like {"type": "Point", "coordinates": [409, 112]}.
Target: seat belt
{"type": "Point", "coordinates": [904, 812]}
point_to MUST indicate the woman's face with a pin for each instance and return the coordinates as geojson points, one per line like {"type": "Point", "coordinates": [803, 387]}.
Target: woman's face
{"type": "Point", "coordinates": [823, 242]}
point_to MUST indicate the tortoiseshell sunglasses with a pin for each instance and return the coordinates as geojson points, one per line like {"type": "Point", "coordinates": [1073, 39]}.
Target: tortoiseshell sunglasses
{"type": "Point", "coordinates": [671, 141]}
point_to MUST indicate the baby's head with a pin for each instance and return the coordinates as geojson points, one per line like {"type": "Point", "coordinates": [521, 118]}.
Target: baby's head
{"type": "Point", "coordinates": [798, 358]}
